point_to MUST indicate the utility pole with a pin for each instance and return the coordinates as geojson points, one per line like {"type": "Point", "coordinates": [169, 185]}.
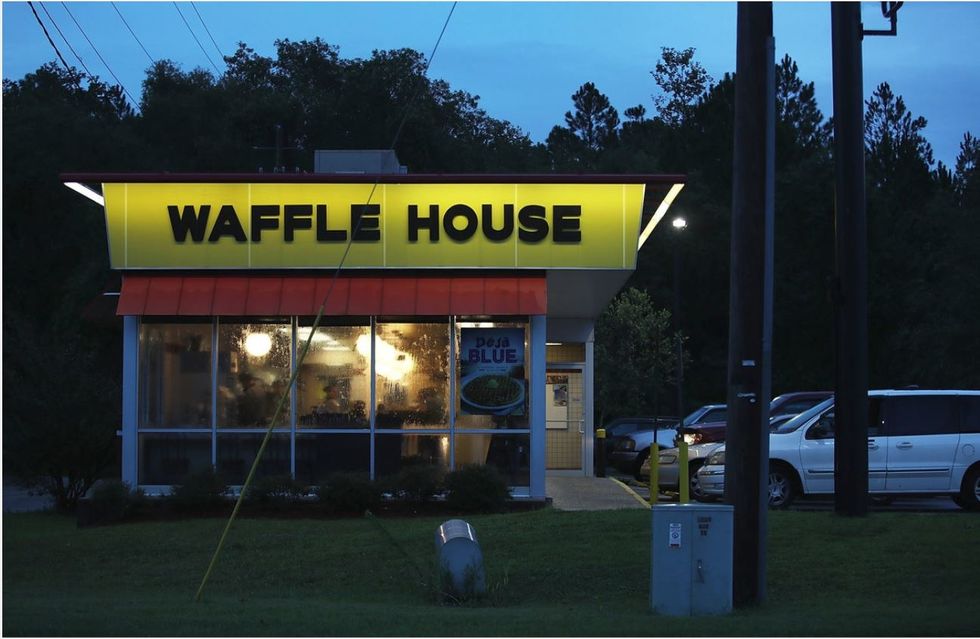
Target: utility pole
{"type": "Point", "coordinates": [850, 292]}
{"type": "Point", "coordinates": [850, 286]}
{"type": "Point", "coordinates": [750, 314]}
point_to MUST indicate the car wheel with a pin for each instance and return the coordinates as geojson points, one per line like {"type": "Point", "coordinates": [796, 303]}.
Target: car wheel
{"type": "Point", "coordinates": [781, 489]}
{"type": "Point", "coordinates": [638, 464]}
{"type": "Point", "coordinates": [969, 497]}
{"type": "Point", "coordinates": [695, 485]}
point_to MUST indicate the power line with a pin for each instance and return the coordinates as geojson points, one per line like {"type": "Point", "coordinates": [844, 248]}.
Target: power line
{"type": "Point", "coordinates": [48, 36]}
{"type": "Point", "coordinates": [199, 17]}
{"type": "Point", "coordinates": [75, 53]}
{"type": "Point", "coordinates": [309, 340]}
{"type": "Point", "coordinates": [152, 61]}
{"type": "Point", "coordinates": [179, 12]}
{"type": "Point", "coordinates": [106, 64]}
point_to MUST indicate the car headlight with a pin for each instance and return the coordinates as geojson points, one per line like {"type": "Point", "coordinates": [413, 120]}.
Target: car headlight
{"type": "Point", "coordinates": [626, 444]}
{"type": "Point", "coordinates": [693, 438]}
{"type": "Point", "coordinates": [667, 458]}
{"type": "Point", "coordinates": [716, 459]}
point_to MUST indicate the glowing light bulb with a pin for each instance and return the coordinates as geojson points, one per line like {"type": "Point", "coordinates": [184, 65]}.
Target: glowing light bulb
{"type": "Point", "coordinates": [258, 344]}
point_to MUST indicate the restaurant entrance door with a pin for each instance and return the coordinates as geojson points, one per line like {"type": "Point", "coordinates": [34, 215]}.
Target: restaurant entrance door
{"type": "Point", "coordinates": [565, 418]}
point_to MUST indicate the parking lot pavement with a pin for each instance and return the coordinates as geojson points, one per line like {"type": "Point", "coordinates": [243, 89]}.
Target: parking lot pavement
{"type": "Point", "coordinates": [17, 499]}
{"type": "Point", "coordinates": [814, 504]}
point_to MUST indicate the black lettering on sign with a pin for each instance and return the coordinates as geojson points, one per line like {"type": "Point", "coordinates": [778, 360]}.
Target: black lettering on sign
{"type": "Point", "coordinates": [504, 232]}
{"type": "Point", "coordinates": [296, 217]}
{"type": "Point", "coordinates": [455, 212]}
{"type": "Point", "coordinates": [323, 234]}
{"type": "Point", "coordinates": [264, 216]}
{"type": "Point", "coordinates": [188, 221]}
{"type": "Point", "coordinates": [365, 220]}
{"type": "Point", "coordinates": [415, 223]}
{"type": "Point", "coordinates": [534, 226]}
{"type": "Point", "coordinates": [227, 224]}
{"type": "Point", "coordinates": [565, 224]}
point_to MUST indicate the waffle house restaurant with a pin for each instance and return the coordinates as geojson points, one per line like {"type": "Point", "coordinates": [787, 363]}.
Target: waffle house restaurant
{"type": "Point", "coordinates": [458, 330]}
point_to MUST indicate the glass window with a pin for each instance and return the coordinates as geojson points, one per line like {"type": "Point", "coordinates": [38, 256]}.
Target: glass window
{"type": "Point", "coordinates": [168, 458]}
{"type": "Point", "coordinates": [492, 387]}
{"type": "Point", "coordinates": [920, 415]}
{"type": "Point", "coordinates": [253, 373]}
{"type": "Point", "coordinates": [237, 451]}
{"type": "Point", "coordinates": [392, 451]}
{"type": "Point", "coordinates": [320, 455]}
{"type": "Point", "coordinates": [175, 376]}
{"type": "Point", "coordinates": [508, 453]}
{"type": "Point", "coordinates": [333, 388]}
{"type": "Point", "coordinates": [412, 366]}
{"type": "Point", "coordinates": [970, 413]}
{"type": "Point", "coordinates": [710, 416]}
{"type": "Point", "coordinates": [823, 428]}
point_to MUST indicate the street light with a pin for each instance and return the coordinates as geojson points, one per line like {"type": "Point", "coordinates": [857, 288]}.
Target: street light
{"type": "Point", "coordinates": [679, 224]}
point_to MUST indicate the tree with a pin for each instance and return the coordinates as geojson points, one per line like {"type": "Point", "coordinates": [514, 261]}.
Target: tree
{"type": "Point", "coordinates": [635, 356]}
{"type": "Point", "coordinates": [966, 178]}
{"type": "Point", "coordinates": [594, 120]}
{"type": "Point", "coordinates": [681, 81]}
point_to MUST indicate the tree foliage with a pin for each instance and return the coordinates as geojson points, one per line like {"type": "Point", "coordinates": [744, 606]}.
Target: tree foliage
{"type": "Point", "coordinates": [635, 357]}
{"type": "Point", "coordinates": [682, 80]}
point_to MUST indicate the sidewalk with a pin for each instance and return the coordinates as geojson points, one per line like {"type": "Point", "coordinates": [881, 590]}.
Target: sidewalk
{"type": "Point", "coordinates": [589, 493]}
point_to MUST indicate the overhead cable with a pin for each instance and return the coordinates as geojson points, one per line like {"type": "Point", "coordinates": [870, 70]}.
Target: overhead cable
{"type": "Point", "coordinates": [71, 48]}
{"type": "Point", "coordinates": [193, 35]}
{"type": "Point", "coordinates": [106, 64]}
{"type": "Point", "coordinates": [48, 36]}
{"type": "Point", "coordinates": [119, 13]}
{"type": "Point", "coordinates": [201, 18]}
{"type": "Point", "coordinates": [306, 346]}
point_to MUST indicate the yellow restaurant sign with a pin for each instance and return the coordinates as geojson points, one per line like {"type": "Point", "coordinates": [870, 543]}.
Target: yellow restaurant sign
{"type": "Point", "coordinates": [301, 225]}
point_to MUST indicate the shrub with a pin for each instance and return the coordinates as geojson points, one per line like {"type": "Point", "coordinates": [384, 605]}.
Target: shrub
{"type": "Point", "coordinates": [199, 491]}
{"type": "Point", "coordinates": [477, 488]}
{"type": "Point", "coordinates": [111, 500]}
{"type": "Point", "coordinates": [419, 482]}
{"type": "Point", "coordinates": [275, 489]}
{"type": "Point", "coordinates": [349, 493]}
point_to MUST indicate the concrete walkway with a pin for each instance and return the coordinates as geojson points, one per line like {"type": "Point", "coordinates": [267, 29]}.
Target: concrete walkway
{"type": "Point", "coordinates": [589, 493]}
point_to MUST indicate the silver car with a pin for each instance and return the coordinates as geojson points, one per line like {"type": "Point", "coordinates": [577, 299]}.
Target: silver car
{"type": "Point", "coordinates": [669, 469]}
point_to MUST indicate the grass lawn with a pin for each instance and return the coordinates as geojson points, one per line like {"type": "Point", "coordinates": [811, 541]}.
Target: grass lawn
{"type": "Point", "coordinates": [555, 573]}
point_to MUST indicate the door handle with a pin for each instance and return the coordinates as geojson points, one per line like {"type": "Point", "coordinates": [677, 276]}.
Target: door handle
{"type": "Point", "coordinates": [904, 446]}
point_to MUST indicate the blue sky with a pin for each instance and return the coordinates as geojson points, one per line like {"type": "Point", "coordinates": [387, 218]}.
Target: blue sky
{"type": "Point", "coordinates": [525, 60]}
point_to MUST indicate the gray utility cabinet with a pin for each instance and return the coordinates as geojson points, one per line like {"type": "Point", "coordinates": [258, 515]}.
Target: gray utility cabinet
{"type": "Point", "coordinates": [691, 572]}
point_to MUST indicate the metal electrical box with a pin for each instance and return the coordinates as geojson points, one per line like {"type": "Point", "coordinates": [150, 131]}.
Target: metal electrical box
{"type": "Point", "coordinates": [691, 572]}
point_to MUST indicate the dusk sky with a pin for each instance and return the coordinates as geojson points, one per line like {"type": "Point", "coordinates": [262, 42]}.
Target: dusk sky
{"type": "Point", "coordinates": [525, 60]}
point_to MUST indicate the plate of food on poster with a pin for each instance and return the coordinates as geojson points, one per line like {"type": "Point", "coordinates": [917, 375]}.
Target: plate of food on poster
{"type": "Point", "coordinates": [492, 367]}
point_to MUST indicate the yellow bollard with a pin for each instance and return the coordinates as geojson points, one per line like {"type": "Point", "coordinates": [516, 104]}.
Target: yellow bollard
{"type": "Point", "coordinates": [654, 474]}
{"type": "Point", "coordinates": [683, 481]}
{"type": "Point", "coordinates": [600, 466]}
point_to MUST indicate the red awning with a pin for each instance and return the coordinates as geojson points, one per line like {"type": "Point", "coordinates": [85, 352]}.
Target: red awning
{"type": "Point", "coordinates": [260, 295]}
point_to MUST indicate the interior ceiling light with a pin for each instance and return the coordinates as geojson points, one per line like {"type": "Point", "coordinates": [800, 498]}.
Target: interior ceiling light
{"type": "Point", "coordinates": [389, 362]}
{"type": "Point", "coordinates": [258, 344]}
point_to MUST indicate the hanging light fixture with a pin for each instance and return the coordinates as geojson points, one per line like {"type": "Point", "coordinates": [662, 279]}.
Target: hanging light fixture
{"type": "Point", "coordinates": [258, 344]}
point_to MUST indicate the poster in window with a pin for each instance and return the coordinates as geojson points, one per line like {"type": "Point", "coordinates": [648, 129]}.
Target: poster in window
{"type": "Point", "coordinates": [492, 371]}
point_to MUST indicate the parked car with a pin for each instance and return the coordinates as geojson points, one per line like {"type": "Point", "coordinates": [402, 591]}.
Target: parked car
{"type": "Point", "coordinates": [704, 438]}
{"type": "Point", "coordinates": [919, 443]}
{"type": "Point", "coordinates": [621, 427]}
{"type": "Point", "coordinates": [632, 450]}
{"type": "Point", "coordinates": [787, 404]}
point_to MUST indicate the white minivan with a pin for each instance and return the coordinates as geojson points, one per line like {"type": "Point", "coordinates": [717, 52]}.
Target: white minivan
{"type": "Point", "coordinates": [920, 442]}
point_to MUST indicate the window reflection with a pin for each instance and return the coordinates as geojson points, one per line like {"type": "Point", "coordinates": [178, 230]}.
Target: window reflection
{"type": "Point", "coordinates": [175, 375]}
{"type": "Point", "coordinates": [333, 387]}
{"type": "Point", "coordinates": [253, 373]}
{"type": "Point", "coordinates": [412, 365]}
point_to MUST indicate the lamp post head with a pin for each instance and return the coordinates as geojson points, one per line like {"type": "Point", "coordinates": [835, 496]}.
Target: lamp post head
{"type": "Point", "coordinates": [679, 223]}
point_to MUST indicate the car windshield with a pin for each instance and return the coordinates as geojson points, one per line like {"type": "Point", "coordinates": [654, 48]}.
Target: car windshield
{"type": "Point", "coordinates": [705, 414]}
{"type": "Point", "coordinates": [794, 423]}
